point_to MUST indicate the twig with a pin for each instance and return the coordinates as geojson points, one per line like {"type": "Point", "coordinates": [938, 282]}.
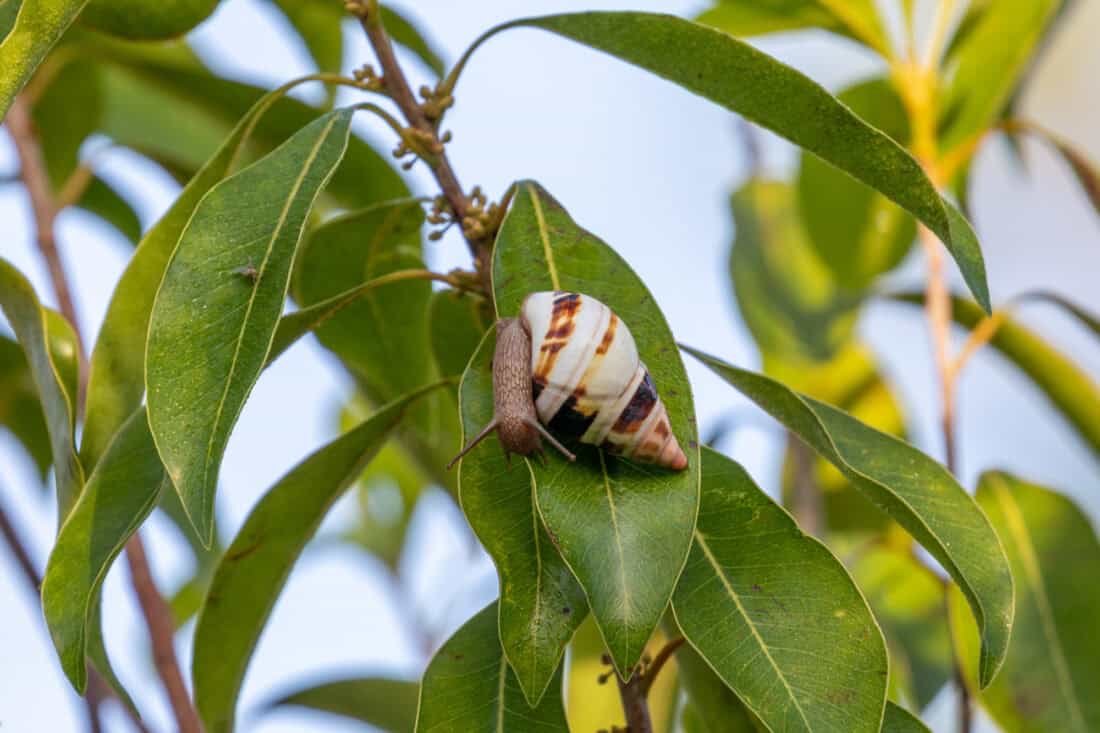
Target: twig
{"type": "Point", "coordinates": [397, 88]}
{"type": "Point", "coordinates": [659, 661]}
{"type": "Point", "coordinates": [158, 618]}
{"type": "Point", "coordinates": [635, 704]}
{"type": "Point", "coordinates": [157, 615]}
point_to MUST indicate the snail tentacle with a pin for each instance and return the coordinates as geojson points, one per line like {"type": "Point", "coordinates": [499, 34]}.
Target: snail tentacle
{"type": "Point", "coordinates": [473, 443]}
{"type": "Point", "coordinates": [551, 439]}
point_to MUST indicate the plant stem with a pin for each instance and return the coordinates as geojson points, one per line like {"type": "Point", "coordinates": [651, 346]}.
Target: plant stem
{"type": "Point", "coordinates": [157, 616]}
{"type": "Point", "coordinates": [397, 87]}
{"type": "Point", "coordinates": [635, 704]}
{"type": "Point", "coordinates": [659, 661]}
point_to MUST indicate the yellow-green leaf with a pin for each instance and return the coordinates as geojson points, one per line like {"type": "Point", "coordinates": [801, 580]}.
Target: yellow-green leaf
{"type": "Point", "coordinates": [37, 27]}
{"type": "Point", "coordinates": [383, 703]}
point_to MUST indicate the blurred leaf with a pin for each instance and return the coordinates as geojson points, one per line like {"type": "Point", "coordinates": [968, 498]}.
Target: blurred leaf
{"type": "Point", "coordinates": [712, 707]}
{"type": "Point", "coordinates": [856, 19]}
{"type": "Point", "coordinates": [469, 686]}
{"type": "Point", "coordinates": [541, 602]}
{"type": "Point", "coordinates": [908, 601]}
{"type": "Point", "coordinates": [34, 31]}
{"type": "Point", "coordinates": [384, 703]}
{"type": "Point", "coordinates": [403, 32]}
{"type": "Point", "coordinates": [145, 21]}
{"type": "Point", "coordinates": [898, 720]}
{"type": "Point", "coordinates": [858, 233]}
{"type": "Point", "coordinates": [211, 326]}
{"type": "Point", "coordinates": [914, 490]}
{"type": "Point", "coordinates": [188, 597]}
{"type": "Point", "coordinates": [456, 323]}
{"type": "Point", "coordinates": [116, 380]}
{"type": "Point", "coordinates": [20, 411]}
{"type": "Point", "coordinates": [984, 68]}
{"type": "Point", "coordinates": [776, 615]}
{"type": "Point", "coordinates": [1070, 390]}
{"type": "Point", "coordinates": [746, 81]}
{"type": "Point", "coordinates": [317, 23]}
{"type": "Point", "coordinates": [120, 493]}
{"type": "Point", "coordinates": [388, 492]}
{"type": "Point", "coordinates": [382, 337]}
{"type": "Point", "coordinates": [74, 86]}
{"type": "Point", "coordinates": [102, 200]}
{"type": "Point", "coordinates": [254, 569]}
{"type": "Point", "coordinates": [1084, 169]}
{"type": "Point", "coordinates": [787, 299]}
{"type": "Point", "coordinates": [1049, 679]}
{"type": "Point", "coordinates": [623, 529]}
{"type": "Point", "coordinates": [9, 9]}
{"type": "Point", "coordinates": [51, 350]}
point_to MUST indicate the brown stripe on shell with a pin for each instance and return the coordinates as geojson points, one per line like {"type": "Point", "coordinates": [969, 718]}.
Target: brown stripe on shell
{"type": "Point", "coordinates": [562, 325]}
{"type": "Point", "coordinates": [608, 336]}
{"type": "Point", "coordinates": [638, 409]}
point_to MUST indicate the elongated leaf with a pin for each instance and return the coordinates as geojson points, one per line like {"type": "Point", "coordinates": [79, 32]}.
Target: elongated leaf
{"type": "Point", "coordinates": [908, 601]}
{"type": "Point", "coordinates": [384, 703]}
{"type": "Point", "coordinates": [317, 23]}
{"type": "Point", "coordinates": [899, 720]}
{"type": "Point", "coordinates": [116, 379]}
{"type": "Point", "coordinates": [712, 707]}
{"type": "Point", "coordinates": [144, 21]}
{"type": "Point", "coordinates": [212, 322]}
{"type": "Point", "coordinates": [20, 411]}
{"type": "Point", "coordinates": [457, 322]}
{"type": "Point", "coordinates": [9, 9]}
{"type": "Point", "coordinates": [746, 81]}
{"type": "Point", "coordinates": [1083, 167]}
{"type": "Point", "coordinates": [857, 233]}
{"type": "Point", "coordinates": [36, 29]}
{"type": "Point", "coordinates": [102, 200]}
{"type": "Point", "coordinates": [120, 493]}
{"type": "Point", "coordinates": [382, 337]}
{"type": "Point", "coordinates": [1050, 676]}
{"type": "Point", "coordinates": [858, 19]}
{"type": "Point", "coordinates": [1070, 390]}
{"type": "Point", "coordinates": [914, 490]}
{"type": "Point", "coordinates": [985, 68]}
{"type": "Point", "coordinates": [469, 686]}
{"type": "Point", "coordinates": [37, 331]}
{"type": "Point", "coordinates": [254, 569]}
{"type": "Point", "coordinates": [73, 85]}
{"type": "Point", "coordinates": [541, 603]}
{"type": "Point", "coordinates": [623, 529]}
{"type": "Point", "coordinates": [776, 615]}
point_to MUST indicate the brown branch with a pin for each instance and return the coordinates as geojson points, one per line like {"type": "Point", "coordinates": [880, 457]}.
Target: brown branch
{"type": "Point", "coordinates": [157, 615]}
{"type": "Point", "coordinates": [158, 618]}
{"type": "Point", "coordinates": [635, 704]}
{"type": "Point", "coordinates": [659, 661]}
{"type": "Point", "coordinates": [397, 87]}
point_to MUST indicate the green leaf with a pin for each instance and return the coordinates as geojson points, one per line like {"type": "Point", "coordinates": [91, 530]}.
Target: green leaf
{"type": "Point", "coordinates": [776, 615]}
{"type": "Point", "coordinates": [456, 323]}
{"type": "Point", "coordinates": [1050, 676]}
{"type": "Point", "coordinates": [20, 411]}
{"type": "Point", "coordinates": [787, 299]}
{"type": "Point", "coordinates": [9, 9]}
{"type": "Point", "coordinates": [212, 323]}
{"type": "Point", "coordinates": [857, 19]}
{"type": "Point", "coordinates": [102, 200]}
{"type": "Point", "coordinates": [145, 21]}
{"type": "Point", "coordinates": [120, 493]}
{"type": "Point", "coordinates": [469, 686]}
{"type": "Point", "coordinates": [47, 343]}
{"type": "Point", "coordinates": [713, 706]}
{"type": "Point", "coordinates": [899, 720]}
{"type": "Point", "coordinates": [384, 703]}
{"type": "Point", "coordinates": [254, 569]}
{"type": "Point", "coordinates": [858, 233]}
{"type": "Point", "coordinates": [1069, 389]}
{"type": "Point", "coordinates": [914, 490]}
{"type": "Point", "coordinates": [541, 604]}
{"type": "Point", "coordinates": [623, 529]}
{"type": "Point", "coordinates": [35, 30]}
{"type": "Point", "coordinates": [61, 133]}
{"type": "Point", "coordinates": [908, 601]}
{"type": "Point", "coordinates": [318, 26]}
{"type": "Point", "coordinates": [382, 337]}
{"type": "Point", "coordinates": [116, 380]}
{"type": "Point", "coordinates": [403, 32]}
{"type": "Point", "coordinates": [744, 80]}
{"type": "Point", "coordinates": [984, 69]}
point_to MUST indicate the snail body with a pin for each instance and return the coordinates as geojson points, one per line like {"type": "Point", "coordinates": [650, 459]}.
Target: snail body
{"type": "Point", "coordinates": [568, 363]}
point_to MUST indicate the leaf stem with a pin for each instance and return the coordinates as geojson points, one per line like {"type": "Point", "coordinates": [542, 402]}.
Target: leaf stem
{"type": "Point", "coordinates": [157, 615]}
{"type": "Point", "coordinates": [659, 661]}
{"type": "Point", "coordinates": [398, 89]}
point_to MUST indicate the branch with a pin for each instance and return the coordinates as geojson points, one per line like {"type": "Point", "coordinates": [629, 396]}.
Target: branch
{"type": "Point", "coordinates": [157, 615]}
{"type": "Point", "coordinates": [635, 704]}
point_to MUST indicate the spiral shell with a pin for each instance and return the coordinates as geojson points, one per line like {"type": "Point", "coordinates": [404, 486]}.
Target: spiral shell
{"type": "Point", "coordinates": [589, 383]}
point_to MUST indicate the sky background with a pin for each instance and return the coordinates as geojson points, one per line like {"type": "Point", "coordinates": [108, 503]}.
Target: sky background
{"type": "Point", "coordinates": [649, 168]}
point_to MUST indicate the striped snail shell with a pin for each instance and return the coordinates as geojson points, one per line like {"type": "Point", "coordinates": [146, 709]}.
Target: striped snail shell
{"type": "Point", "coordinates": [589, 383]}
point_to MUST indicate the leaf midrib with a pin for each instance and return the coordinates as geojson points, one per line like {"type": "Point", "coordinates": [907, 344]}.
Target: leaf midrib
{"type": "Point", "coordinates": [310, 159]}
{"type": "Point", "coordinates": [1028, 557]}
{"type": "Point", "coordinates": [544, 234]}
{"type": "Point", "coordinates": [700, 539]}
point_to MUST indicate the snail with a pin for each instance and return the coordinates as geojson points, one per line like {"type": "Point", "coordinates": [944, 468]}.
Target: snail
{"type": "Point", "coordinates": [568, 363]}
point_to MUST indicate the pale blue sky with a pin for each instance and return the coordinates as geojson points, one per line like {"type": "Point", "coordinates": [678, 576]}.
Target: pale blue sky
{"type": "Point", "coordinates": [646, 166]}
